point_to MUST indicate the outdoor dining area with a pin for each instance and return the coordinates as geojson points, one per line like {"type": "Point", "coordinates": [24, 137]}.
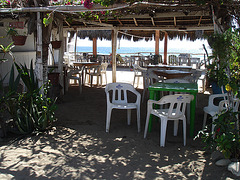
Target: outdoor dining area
{"type": "Point", "coordinates": [154, 80]}
{"type": "Point", "coordinates": [80, 111]}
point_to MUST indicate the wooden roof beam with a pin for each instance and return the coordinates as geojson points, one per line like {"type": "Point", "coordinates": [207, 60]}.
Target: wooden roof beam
{"type": "Point", "coordinates": [93, 22]}
{"type": "Point", "coordinates": [135, 21]}
{"type": "Point", "coordinates": [119, 21]}
{"type": "Point", "coordinates": [153, 23]}
{"type": "Point", "coordinates": [199, 22]}
{"type": "Point", "coordinates": [147, 28]}
{"type": "Point", "coordinates": [169, 14]}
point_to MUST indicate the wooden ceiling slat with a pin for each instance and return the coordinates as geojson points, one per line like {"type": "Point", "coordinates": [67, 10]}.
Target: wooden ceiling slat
{"type": "Point", "coordinates": [119, 21]}
{"type": "Point", "coordinates": [200, 21]}
{"type": "Point", "coordinates": [153, 23]}
{"type": "Point", "coordinates": [135, 21]}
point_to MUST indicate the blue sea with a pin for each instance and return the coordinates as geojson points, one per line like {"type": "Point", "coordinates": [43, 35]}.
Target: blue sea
{"type": "Point", "coordinates": [142, 50]}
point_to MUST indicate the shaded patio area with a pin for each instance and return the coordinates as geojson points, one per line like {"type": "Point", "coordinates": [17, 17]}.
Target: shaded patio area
{"type": "Point", "coordinates": [79, 148]}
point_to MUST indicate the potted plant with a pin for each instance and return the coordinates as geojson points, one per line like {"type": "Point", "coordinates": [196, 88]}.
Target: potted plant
{"type": "Point", "coordinates": [18, 40]}
{"type": "Point", "coordinates": [56, 44]}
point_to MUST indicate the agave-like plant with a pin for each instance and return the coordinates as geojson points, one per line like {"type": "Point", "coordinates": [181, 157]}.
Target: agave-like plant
{"type": "Point", "coordinates": [31, 111]}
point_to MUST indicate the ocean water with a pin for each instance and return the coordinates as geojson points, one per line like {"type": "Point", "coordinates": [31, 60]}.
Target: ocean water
{"type": "Point", "coordinates": [143, 50]}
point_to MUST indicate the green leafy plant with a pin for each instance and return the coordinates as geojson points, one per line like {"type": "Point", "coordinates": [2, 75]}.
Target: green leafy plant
{"type": "Point", "coordinates": [224, 64]}
{"type": "Point", "coordinates": [226, 137]}
{"type": "Point", "coordinates": [31, 111]}
{"type": "Point", "coordinates": [6, 50]}
{"type": "Point", "coordinates": [224, 68]}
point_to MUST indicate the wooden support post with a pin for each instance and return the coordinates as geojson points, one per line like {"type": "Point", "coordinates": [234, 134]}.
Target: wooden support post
{"type": "Point", "coordinates": [157, 34]}
{"type": "Point", "coordinates": [165, 47]}
{"type": "Point", "coordinates": [39, 63]}
{"type": "Point", "coordinates": [95, 47]}
{"type": "Point", "coordinates": [114, 47]}
{"type": "Point", "coordinates": [60, 61]}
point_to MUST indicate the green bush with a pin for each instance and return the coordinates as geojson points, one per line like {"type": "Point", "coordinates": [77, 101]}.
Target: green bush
{"type": "Point", "coordinates": [31, 110]}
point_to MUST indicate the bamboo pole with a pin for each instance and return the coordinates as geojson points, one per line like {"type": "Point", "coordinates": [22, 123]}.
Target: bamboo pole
{"type": "Point", "coordinates": [165, 48]}
{"type": "Point", "coordinates": [114, 47]}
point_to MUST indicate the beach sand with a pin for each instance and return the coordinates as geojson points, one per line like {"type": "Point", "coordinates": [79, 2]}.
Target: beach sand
{"type": "Point", "coordinates": [77, 147]}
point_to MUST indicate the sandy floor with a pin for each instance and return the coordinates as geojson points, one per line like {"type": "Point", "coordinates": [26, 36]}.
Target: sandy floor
{"type": "Point", "coordinates": [79, 148]}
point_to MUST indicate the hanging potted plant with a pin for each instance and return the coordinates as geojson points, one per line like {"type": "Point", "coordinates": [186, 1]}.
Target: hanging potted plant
{"type": "Point", "coordinates": [56, 44]}
{"type": "Point", "coordinates": [18, 40]}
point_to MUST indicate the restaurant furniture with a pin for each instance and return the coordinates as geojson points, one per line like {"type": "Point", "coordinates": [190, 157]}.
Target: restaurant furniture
{"type": "Point", "coordinates": [216, 104]}
{"type": "Point", "coordinates": [171, 67]}
{"type": "Point", "coordinates": [172, 74]}
{"type": "Point", "coordinates": [156, 59]}
{"type": "Point", "coordinates": [184, 58]}
{"type": "Point", "coordinates": [75, 74]}
{"type": "Point", "coordinates": [195, 61]}
{"type": "Point", "coordinates": [86, 66]}
{"type": "Point", "coordinates": [98, 71]}
{"type": "Point", "coordinates": [173, 60]}
{"type": "Point", "coordinates": [175, 112]}
{"type": "Point", "coordinates": [117, 98]}
{"type": "Point", "coordinates": [149, 78]}
{"type": "Point", "coordinates": [138, 72]}
{"type": "Point", "coordinates": [190, 88]}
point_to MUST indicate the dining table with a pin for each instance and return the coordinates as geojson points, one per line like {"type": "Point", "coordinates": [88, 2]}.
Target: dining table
{"type": "Point", "coordinates": [171, 67]}
{"type": "Point", "coordinates": [171, 74]}
{"type": "Point", "coordinates": [190, 88]}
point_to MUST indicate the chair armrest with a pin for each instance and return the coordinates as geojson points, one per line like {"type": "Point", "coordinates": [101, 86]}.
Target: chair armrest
{"type": "Point", "coordinates": [213, 96]}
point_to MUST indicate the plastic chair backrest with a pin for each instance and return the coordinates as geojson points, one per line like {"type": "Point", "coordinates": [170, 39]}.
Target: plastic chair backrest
{"type": "Point", "coordinates": [213, 97]}
{"type": "Point", "coordinates": [72, 72]}
{"type": "Point", "coordinates": [95, 69]}
{"type": "Point", "coordinates": [103, 67]}
{"type": "Point", "coordinates": [172, 59]}
{"type": "Point", "coordinates": [136, 67]}
{"type": "Point", "coordinates": [160, 59]}
{"type": "Point", "coordinates": [150, 77]}
{"type": "Point", "coordinates": [224, 104]}
{"type": "Point", "coordinates": [177, 104]}
{"type": "Point", "coordinates": [119, 92]}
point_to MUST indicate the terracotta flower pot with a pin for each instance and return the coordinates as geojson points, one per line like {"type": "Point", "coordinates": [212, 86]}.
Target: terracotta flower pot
{"type": "Point", "coordinates": [19, 40]}
{"type": "Point", "coordinates": [56, 44]}
{"type": "Point", "coordinates": [54, 78]}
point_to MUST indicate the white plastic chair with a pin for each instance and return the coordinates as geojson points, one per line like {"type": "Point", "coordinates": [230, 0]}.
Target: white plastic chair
{"type": "Point", "coordinates": [75, 74]}
{"type": "Point", "coordinates": [119, 100]}
{"type": "Point", "coordinates": [170, 93]}
{"type": "Point", "coordinates": [172, 60]}
{"type": "Point", "coordinates": [175, 112]}
{"type": "Point", "coordinates": [214, 108]}
{"type": "Point", "coordinates": [98, 71]}
{"type": "Point", "coordinates": [138, 72]}
{"type": "Point", "coordinates": [149, 78]}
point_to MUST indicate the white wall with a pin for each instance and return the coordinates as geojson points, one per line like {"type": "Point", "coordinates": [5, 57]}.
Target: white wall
{"type": "Point", "coordinates": [23, 54]}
